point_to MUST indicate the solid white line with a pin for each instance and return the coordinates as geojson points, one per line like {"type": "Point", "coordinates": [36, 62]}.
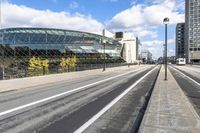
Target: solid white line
{"type": "Point", "coordinates": [108, 106]}
{"type": "Point", "coordinates": [186, 76]}
{"type": "Point", "coordinates": [62, 94]}
{"type": "Point", "coordinates": [188, 68]}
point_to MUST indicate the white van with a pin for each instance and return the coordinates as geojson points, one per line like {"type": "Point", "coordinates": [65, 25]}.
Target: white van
{"type": "Point", "coordinates": [180, 61]}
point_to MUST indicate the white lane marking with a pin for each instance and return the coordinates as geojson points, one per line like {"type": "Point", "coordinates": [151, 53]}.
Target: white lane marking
{"type": "Point", "coordinates": [186, 76]}
{"type": "Point", "coordinates": [108, 106]}
{"type": "Point", "coordinates": [188, 68]}
{"type": "Point", "coordinates": [62, 94]}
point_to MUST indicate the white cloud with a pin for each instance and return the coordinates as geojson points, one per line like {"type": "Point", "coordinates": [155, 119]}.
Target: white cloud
{"type": "Point", "coordinates": [22, 16]}
{"type": "Point", "coordinates": [156, 47]}
{"type": "Point", "coordinates": [145, 20]}
{"type": "Point", "coordinates": [127, 19]}
{"type": "Point", "coordinates": [146, 17]}
{"type": "Point", "coordinates": [143, 33]}
{"type": "Point", "coordinates": [154, 14]}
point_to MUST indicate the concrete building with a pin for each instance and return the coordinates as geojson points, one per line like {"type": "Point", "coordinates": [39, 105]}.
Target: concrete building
{"type": "Point", "coordinates": [130, 49]}
{"type": "Point", "coordinates": [180, 40]}
{"type": "Point", "coordinates": [192, 30]}
{"type": "Point", "coordinates": [146, 57]}
{"type": "Point", "coordinates": [139, 51]}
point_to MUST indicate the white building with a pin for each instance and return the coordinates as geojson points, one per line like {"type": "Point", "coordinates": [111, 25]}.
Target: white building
{"type": "Point", "coordinates": [146, 57]}
{"type": "Point", "coordinates": [131, 44]}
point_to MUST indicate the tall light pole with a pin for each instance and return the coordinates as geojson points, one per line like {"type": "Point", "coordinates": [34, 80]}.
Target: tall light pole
{"type": "Point", "coordinates": [104, 51]}
{"type": "Point", "coordinates": [163, 54]}
{"type": "Point", "coordinates": [166, 21]}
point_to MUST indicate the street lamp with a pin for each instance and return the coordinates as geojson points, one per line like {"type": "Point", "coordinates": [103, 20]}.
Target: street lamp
{"type": "Point", "coordinates": [166, 21]}
{"type": "Point", "coordinates": [163, 54]}
{"type": "Point", "coordinates": [104, 55]}
{"type": "Point", "coordinates": [104, 50]}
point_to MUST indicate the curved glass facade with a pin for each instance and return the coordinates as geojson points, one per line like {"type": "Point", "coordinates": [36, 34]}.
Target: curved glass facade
{"type": "Point", "coordinates": [41, 41]}
{"type": "Point", "coordinates": [18, 45]}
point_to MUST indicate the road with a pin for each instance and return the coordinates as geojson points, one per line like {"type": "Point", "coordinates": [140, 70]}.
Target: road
{"type": "Point", "coordinates": [188, 78]}
{"type": "Point", "coordinates": [110, 102]}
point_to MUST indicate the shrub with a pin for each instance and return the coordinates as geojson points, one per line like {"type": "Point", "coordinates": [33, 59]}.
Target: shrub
{"type": "Point", "coordinates": [38, 66]}
{"type": "Point", "coordinates": [69, 62]}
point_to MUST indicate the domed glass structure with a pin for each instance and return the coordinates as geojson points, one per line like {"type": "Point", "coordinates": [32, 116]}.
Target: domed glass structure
{"type": "Point", "coordinates": [18, 45]}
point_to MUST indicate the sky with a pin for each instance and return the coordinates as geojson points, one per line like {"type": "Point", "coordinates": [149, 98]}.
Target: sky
{"type": "Point", "coordinates": [143, 18]}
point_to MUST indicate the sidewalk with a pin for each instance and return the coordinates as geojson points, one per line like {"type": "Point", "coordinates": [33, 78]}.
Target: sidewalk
{"type": "Point", "coordinates": [169, 110]}
{"type": "Point", "coordinates": [28, 82]}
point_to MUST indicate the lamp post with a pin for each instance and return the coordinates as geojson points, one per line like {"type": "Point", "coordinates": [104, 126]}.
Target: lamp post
{"type": "Point", "coordinates": [104, 51]}
{"type": "Point", "coordinates": [104, 55]}
{"type": "Point", "coordinates": [163, 54]}
{"type": "Point", "coordinates": [166, 21]}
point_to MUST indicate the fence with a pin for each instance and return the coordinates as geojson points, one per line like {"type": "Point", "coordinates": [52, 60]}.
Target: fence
{"type": "Point", "coordinates": [14, 72]}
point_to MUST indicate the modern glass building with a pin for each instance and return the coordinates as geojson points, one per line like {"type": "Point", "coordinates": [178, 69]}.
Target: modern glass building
{"type": "Point", "coordinates": [192, 29]}
{"type": "Point", "coordinates": [19, 45]}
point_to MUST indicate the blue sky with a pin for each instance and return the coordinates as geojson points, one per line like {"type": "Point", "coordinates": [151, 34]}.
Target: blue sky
{"type": "Point", "coordinates": [99, 9]}
{"type": "Point", "coordinates": [143, 18]}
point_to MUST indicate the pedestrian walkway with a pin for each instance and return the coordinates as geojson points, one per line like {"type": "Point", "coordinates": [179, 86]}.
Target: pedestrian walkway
{"type": "Point", "coordinates": [169, 110]}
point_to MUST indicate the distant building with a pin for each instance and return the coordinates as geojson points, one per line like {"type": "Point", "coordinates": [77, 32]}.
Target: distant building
{"type": "Point", "coordinates": [170, 59]}
{"type": "Point", "coordinates": [192, 30]}
{"type": "Point", "coordinates": [146, 57]}
{"type": "Point", "coordinates": [180, 40]}
{"type": "Point", "coordinates": [139, 51]}
{"type": "Point", "coordinates": [130, 49]}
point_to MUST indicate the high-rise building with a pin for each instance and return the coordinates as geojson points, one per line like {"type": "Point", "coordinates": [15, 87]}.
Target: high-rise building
{"type": "Point", "coordinates": [192, 30]}
{"type": "Point", "coordinates": [180, 40]}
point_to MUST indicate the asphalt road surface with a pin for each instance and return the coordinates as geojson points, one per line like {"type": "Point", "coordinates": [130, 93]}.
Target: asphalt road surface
{"type": "Point", "coordinates": [188, 78]}
{"type": "Point", "coordinates": [91, 104]}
